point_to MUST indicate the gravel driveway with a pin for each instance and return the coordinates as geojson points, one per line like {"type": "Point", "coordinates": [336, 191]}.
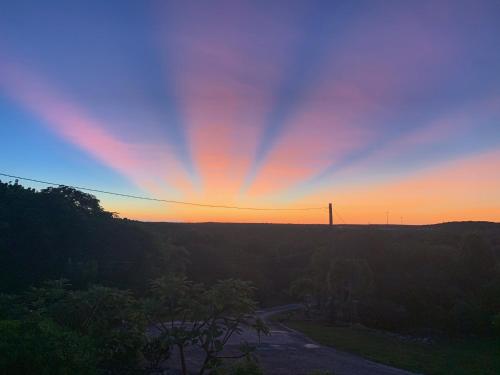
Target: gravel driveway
{"type": "Point", "coordinates": [288, 352]}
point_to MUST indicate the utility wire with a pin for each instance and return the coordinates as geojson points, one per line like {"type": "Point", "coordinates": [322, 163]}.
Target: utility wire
{"type": "Point", "coordinates": [340, 217]}
{"type": "Point", "coordinates": [162, 200]}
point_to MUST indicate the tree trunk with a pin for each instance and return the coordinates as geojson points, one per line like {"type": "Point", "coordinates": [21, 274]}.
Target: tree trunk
{"type": "Point", "coordinates": [205, 362]}
{"type": "Point", "coordinates": [183, 360]}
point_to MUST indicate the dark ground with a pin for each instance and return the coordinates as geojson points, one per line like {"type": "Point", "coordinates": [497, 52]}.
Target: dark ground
{"type": "Point", "coordinates": [287, 352]}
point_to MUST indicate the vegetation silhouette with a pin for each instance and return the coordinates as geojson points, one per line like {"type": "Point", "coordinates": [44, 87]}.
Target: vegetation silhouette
{"type": "Point", "coordinates": [117, 277]}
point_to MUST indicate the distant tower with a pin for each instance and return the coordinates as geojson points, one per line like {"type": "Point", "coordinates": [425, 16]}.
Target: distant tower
{"type": "Point", "coordinates": [330, 212]}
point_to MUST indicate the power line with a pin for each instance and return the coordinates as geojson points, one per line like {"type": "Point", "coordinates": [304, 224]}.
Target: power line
{"type": "Point", "coordinates": [162, 200]}
{"type": "Point", "coordinates": [340, 217]}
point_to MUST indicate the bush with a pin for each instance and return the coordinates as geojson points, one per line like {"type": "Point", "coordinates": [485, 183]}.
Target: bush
{"type": "Point", "coordinates": [383, 314]}
{"type": "Point", "coordinates": [248, 366]}
{"type": "Point", "coordinates": [496, 324]}
{"type": "Point", "coordinates": [110, 318]}
{"type": "Point", "coordinates": [42, 347]}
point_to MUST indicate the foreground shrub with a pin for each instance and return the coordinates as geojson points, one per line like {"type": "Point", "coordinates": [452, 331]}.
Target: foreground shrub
{"type": "Point", "coordinates": [246, 366]}
{"type": "Point", "coordinates": [185, 314]}
{"type": "Point", "coordinates": [42, 347]}
{"type": "Point", "coordinates": [47, 324]}
{"type": "Point", "coordinates": [496, 324]}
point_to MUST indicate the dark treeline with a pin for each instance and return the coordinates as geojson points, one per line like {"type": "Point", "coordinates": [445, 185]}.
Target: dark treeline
{"type": "Point", "coordinates": [84, 292]}
{"type": "Point", "coordinates": [443, 279]}
{"type": "Point", "coordinates": [439, 279]}
{"type": "Point", "coordinates": [64, 233]}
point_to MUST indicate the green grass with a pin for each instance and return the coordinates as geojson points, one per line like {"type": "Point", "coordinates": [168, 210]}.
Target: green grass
{"type": "Point", "coordinates": [474, 356]}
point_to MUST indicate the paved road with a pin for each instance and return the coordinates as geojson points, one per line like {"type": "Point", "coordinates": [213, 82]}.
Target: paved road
{"type": "Point", "coordinates": [287, 352]}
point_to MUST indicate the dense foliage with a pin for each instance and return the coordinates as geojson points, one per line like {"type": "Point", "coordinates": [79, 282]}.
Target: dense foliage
{"type": "Point", "coordinates": [424, 280]}
{"type": "Point", "coordinates": [43, 347]}
{"type": "Point", "coordinates": [54, 329]}
{"type": "Point", "coordinates": [74, 326]}
{"type": "Point", "coordinates": [64, 233]}
{"type": "Point", "coordinates": [439, 279]}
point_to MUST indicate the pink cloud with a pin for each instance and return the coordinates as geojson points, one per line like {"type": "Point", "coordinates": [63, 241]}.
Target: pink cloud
{"type": "Point", "coordinates": [360, 88]}
{"type": "Point", "coordinates": [224, 85]}
{"type": "Point", "coordinates": [319, 135]}
{"type": "Point", "coordinates": [140, 163]}
{"type": "Point", "coordinates": [457, 124]}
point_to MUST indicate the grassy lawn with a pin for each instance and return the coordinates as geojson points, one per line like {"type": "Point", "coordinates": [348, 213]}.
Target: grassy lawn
{"type": "Point", "coordinates": [474, 356]}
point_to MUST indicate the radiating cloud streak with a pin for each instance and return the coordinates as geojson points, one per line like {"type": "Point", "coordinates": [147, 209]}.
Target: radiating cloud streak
{"type": "Point", "coordinates": [225, 82]}
{"type": "Point", "coordinates": [139, 162]}
{"type": "Point", "coordinates": [347, 115]}
{"type": "Point", "coordinates": [302, 71]}
{"type": "Point", "coordinates": [445, 192]}
{"type": "Point", "coordinates": [359, 89]}
{"type": "Point", "coordinates": [317, 137]}
{"type": "Point", "coordinates": [267, 103]}
{"type": "Point", "coordinates": [447, 137]}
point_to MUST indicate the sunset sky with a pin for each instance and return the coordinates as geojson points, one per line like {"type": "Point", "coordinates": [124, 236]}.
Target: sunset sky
{"type": "Point", "coordinates": [376, 106]}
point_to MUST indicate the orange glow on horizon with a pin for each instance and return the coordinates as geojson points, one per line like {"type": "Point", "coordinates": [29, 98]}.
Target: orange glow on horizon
{"type": "Point", "coordinates": [440, 194]}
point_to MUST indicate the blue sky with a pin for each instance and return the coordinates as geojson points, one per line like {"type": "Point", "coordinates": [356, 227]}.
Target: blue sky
{"type": "Point", "coordinates": [249, 102]}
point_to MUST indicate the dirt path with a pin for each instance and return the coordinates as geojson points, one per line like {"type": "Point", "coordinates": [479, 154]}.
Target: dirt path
{"type": "Point", "coordinates": [287, 352]}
